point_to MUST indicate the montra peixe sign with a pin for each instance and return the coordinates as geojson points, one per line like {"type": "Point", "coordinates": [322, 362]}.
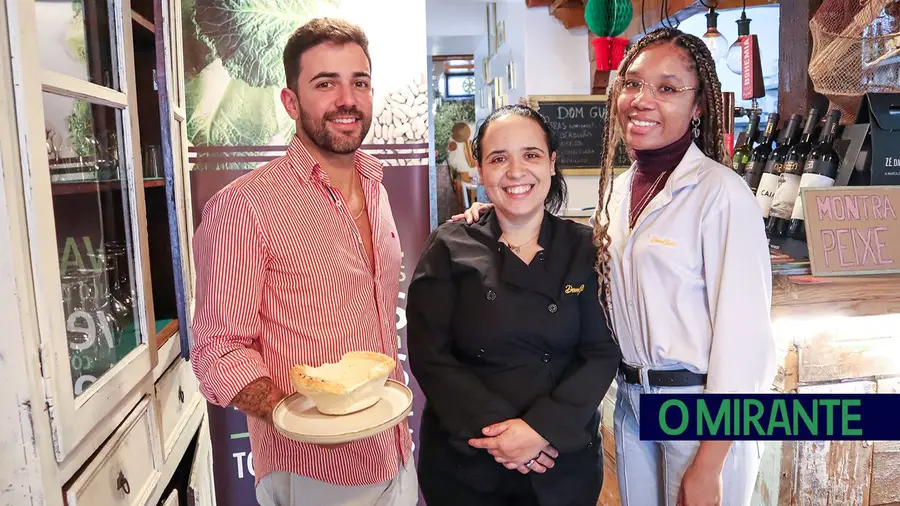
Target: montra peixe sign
{"type": "Point", "coordinates": [852, 230]}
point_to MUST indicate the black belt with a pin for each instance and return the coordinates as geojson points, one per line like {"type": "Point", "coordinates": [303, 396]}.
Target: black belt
{"type": "Point", "coordinates": [661, 378]}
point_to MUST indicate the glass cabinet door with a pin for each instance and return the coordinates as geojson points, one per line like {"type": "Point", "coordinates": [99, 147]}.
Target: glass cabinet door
{"type": "Point", "coordinates": [76, 110]}
{"type": "Point", "coordinates": [172, 100]}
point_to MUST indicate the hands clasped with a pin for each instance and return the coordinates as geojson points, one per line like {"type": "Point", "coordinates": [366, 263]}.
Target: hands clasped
{"type": "Point", "coordinates": [516, 445]}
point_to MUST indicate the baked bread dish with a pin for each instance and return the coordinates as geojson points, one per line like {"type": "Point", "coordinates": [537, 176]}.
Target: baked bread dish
{"type": "Point", "coordinates": [353, 384]}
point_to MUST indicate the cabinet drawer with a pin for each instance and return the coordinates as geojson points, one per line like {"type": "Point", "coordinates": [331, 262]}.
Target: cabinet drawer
{"type": "Point", "coordinates": [176, 392]}
{"type": "Point", "coordinates": [125, 470]}
{"type": "Point", "coordinates": [172, 500]}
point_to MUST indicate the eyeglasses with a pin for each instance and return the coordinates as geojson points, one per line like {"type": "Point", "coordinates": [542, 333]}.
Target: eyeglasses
{"type": "Point", "coordinates": [631, 87]}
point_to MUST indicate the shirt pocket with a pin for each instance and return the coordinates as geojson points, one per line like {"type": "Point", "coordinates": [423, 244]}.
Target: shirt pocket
{"type": "Point", "coordinates": [673, 255]}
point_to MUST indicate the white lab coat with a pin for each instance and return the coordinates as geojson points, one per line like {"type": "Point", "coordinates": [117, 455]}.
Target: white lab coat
{"type": "Point", "coordinates": [692, 284]}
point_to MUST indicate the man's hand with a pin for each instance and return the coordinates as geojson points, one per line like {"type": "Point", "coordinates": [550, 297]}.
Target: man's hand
{"type": "Point", "coordinates": [472, 213]}
{"type": "Point", "coordinates": [513, 443]}
{"type": "Point", "coordinates": [259, 399]}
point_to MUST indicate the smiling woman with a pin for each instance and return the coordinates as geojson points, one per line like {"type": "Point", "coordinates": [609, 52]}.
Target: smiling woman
{"type": "Point", "coordinates": [507, 338]}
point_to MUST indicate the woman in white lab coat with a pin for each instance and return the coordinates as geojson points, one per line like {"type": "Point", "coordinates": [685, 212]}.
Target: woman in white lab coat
{"type": "Point", "coordinates": [686, 267]}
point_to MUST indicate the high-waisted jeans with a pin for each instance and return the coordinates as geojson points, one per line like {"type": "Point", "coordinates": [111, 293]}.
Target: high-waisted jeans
{"type": "Point", "coordinates": [650, 472]}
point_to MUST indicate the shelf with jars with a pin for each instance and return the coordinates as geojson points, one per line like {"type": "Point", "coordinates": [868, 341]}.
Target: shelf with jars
{"type": "Point", "coordinates": [94, 162]}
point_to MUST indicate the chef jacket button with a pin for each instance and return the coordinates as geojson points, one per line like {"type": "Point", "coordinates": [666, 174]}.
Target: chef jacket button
{"type": "Point", "coordinates": [590, 444]}
{"type": "Point", "coordinates": [541, 255]}
{"type": "Point", "coordinates": [491, 295]}
{"type": "Point", "coordinates": [499, 249]}
{"type": "Point", "coordinates": [545, 358]}
{"type": "Point", "coordinates": [480, 353]}
{"type": "Point", "coordinates": [552, 308]}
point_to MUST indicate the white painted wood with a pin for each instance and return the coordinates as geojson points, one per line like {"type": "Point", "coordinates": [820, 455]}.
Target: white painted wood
{"type": "Point", "coordinates": [132, 148]}
{"type": "Point", "coordinates": [62, 84]}
{"type": "Point", "coordinates": [167, 354]}
{"type": "Point", "coordinates": [174, 60]}
{"type": "Point", "coordinates": [172, 500]}
{"type": "Point", "coordinates": [127, 468]}
{"type": "Point", "coordinates": [27, 466]}
{"type": "Point", "coordinates": [200, 483]}
{"type": "Point", "coordinates": [176, 393]}
{"type": "Point", "coordinates": [186, 434]}
{"type": "Point", "coordinates": [83, 414]}
{"type": "Point", "coordinates": [100, 432]}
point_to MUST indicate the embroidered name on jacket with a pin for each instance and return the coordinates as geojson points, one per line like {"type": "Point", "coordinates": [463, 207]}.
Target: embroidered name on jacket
{"type": "Point", "coordinates": [572, 289]}
{"type": "Point", "coordinates": [662, 242]}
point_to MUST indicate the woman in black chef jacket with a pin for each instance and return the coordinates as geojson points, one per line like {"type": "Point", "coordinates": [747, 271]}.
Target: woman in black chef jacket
{"type": "Point", "coordinates": [507, 338]}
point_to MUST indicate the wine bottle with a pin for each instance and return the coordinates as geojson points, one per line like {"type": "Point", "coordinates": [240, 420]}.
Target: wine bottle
{"type": "Point", "coordinates": [742, 154]}
{"type": "Point", "coordinates": [820, 171]}
{"type": "Point", "coordinates": [775, 164]}
{"type": "Point", "coordinates": [789, 182]}
{"type": "Point", "coordinates": [760, 154]}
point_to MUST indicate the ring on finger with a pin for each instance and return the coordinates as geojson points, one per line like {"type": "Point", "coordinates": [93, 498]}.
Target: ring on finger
{"type": "Point", "coordinates": [529, 463]}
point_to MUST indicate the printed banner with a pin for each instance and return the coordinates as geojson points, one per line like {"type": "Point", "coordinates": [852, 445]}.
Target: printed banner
{"type": "Point", "coordinates": [777, 417]}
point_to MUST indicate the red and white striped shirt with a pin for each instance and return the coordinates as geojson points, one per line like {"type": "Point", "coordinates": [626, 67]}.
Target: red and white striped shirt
{"type": "Point", "coordinates": [283, 279]}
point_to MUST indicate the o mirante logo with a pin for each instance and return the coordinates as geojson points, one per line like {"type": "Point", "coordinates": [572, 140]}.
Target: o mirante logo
{"type": "Point", "coordinates": [768, 417]}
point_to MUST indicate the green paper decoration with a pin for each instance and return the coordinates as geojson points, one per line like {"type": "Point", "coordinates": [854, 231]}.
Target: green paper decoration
{"type": "Point", "coordinates": [608, 18]}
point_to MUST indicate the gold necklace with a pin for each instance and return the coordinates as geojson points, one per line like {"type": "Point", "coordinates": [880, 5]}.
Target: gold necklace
{"type": "Point", "coordinates": [518, 249]}
{"type": "Point", "coordinates": [644, 201]}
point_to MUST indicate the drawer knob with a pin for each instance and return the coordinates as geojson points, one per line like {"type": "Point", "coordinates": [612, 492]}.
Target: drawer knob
{"type": "Point", "coordinates": [180, 395]}
{"type": "Point", "coordinates": [122, 484]}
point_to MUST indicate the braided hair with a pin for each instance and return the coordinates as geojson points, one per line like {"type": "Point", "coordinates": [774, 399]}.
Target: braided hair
{"type": "Point", "coordinates": [711, 139]}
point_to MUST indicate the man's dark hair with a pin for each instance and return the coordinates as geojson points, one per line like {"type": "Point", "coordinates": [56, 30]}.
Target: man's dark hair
{"type": "Point", "coordinates": [320, 31]}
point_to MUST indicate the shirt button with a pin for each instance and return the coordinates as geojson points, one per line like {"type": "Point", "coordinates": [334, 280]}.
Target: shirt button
{"type": "Point", "coordinates": [480, 353]}
{"type": "Point", "coordinates": [552, 308]}
{"type": "Point", "coordinates": [541, 255]}
{"type": "Point", "coordinates": [545, 358]}
{"type": "Point", "coordinates": [491, 295]}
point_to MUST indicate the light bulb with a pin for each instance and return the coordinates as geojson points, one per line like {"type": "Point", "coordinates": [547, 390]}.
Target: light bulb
{"type": "Point", "coordinates": [716, 42]}
{"type": "Point", "coordinates": [712, 39]}
{"type": "Point", "coordinates": [734, 59]}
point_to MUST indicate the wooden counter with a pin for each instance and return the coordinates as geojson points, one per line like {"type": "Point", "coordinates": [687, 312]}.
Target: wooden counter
{"type": "Point", "coordinates": [834, 335]}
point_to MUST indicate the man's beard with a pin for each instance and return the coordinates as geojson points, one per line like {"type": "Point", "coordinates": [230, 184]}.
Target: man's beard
{"type": "Point", "coordinates": [326, 140]}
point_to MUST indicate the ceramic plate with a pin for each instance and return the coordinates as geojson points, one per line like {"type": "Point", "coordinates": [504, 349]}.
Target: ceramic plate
{"type": "Point", "coordinates": [297, 418]}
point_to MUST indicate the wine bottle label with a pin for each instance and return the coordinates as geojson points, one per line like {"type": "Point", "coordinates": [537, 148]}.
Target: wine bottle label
{"type": "Point", "coordinates": [766, 192]}
{"type": "Point", "coordinates": [754, 171]}
{"type": "Point", "coordinates": [785, 195]}
{"type": "Point", "coordinates": [809, 180]}
{"type": "Point", "coordinates": [790, 166]}
{"type": "Point", "coordinates": [809, 165]}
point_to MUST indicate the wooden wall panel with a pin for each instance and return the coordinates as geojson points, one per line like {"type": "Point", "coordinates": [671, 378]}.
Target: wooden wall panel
{"type": "Point", "coordinates": [795, 90]}
{"type": "Point", "coordinates": [885, 474]}
{"type": "Point", "coordinates": [832, 473]}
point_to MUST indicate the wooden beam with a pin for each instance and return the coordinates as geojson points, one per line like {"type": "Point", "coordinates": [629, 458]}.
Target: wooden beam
{"type": "Point", "coordinates": [566, 4]}
{"type": "Point", "coordinates": [795, 90]}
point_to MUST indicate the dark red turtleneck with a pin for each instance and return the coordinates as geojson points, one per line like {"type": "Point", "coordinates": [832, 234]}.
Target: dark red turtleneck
{"type": "Point", "coordinates": [653, 168]}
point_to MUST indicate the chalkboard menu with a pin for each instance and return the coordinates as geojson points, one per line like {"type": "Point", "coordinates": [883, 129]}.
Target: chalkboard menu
{"type": "Point", "coordinates": [578, 121]}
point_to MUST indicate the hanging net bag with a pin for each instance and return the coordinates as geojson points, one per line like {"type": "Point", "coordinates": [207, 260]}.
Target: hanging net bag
{"type": "Point", "coordinates": [856, 49]}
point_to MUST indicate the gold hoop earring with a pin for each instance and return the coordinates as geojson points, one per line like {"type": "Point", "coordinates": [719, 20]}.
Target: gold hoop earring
{"type": "Point", "coordinates": [695, 123]}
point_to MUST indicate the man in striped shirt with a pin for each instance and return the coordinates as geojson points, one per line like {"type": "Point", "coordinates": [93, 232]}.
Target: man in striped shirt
{"type": "Point", "coordinates": [298, 262]}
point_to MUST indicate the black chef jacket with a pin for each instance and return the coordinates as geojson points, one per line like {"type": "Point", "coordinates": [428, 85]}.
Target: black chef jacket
{"type": "Point", "coordinates": [491, 338]}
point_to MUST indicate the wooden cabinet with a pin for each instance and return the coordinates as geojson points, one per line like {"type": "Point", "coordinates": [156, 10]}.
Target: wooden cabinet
{"type": "Point", "coordinates": [95, 262]}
